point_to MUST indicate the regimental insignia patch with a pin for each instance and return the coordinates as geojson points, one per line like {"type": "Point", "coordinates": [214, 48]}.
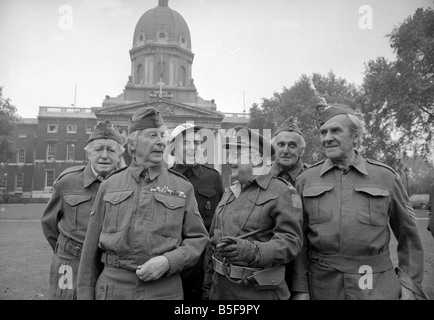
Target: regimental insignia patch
{"type": "Point", "coordinates": [296, 201]}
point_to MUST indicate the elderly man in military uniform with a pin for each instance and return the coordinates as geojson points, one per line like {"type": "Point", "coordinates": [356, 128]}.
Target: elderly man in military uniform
{"type": "Point", "coordinates": [289, 144]}
{"type": "Point", "coordinates": [349, 202]}
{"type": "Point", "coordinates": [145, 226]}
{"type": "Point", "coordinates": [66, 216]}
{"type": "Point", "coordinates": [185, 140]}
{"type": "Point", "coordinates": [256, 229]}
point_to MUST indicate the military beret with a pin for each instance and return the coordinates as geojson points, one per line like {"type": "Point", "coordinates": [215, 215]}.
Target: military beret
{"type": "Point", "coordinates": [182, 128]}
{"type": "Point", "coordinates": [288, 125]}
{"type": "Point", "coordinates": [246, 137]}
{"type": "Point", "coordinates": [145, 118]}
{"type": "Point", "coordinates": [105, 130]}
{"type": "Point", "coordinates": [326, 112]}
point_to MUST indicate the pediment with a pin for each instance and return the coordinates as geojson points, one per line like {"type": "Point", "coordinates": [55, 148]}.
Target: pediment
{"type": "Point", "coordinates": [165, 106]}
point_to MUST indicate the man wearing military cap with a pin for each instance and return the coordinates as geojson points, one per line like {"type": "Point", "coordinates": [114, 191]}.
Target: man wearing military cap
{"type": "Point", "coordinates": [349, 202]}
{"type": "Point", "coordinates": [145, 226]}
{"type": "Point", "coordinates": [289, 143]}
{"type": "Point", "coordinates": [65, 218]}
{"type": "Point", "coordinates": [256, 229]}
{"type": "Point", "coordinates": [185, 142]}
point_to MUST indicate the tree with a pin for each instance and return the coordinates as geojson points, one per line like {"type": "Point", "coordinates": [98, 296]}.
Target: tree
{"type": "Point", "coordinates": [8, 117]}
{"type": "Point", "coordinates": [299, 101]}
{"type": "Point", "coordinates": [398, 96]}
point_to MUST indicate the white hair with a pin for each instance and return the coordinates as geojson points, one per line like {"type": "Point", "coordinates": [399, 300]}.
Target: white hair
{"type": "Point", "coordinates": [88, 148]}
{"type": "Point", "coordinates": [300, 140]}
{"type": "Point", "coordinates": [357, 127]}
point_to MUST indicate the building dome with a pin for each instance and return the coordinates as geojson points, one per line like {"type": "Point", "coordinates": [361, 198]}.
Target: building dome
{"type": "Point", "coordinates": [162, 25]}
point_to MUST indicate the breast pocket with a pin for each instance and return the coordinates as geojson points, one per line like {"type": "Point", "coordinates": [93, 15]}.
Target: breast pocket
{"type": "Point", "coordinates": [372, 205]}
{"type": "Point", "coordinates": [77, 210]}
{"type": "Point", "coordinates": [169, 215]}
{"type": "Point", "coordinates": [118, 208]}
{"type": "Point", "coordinates": [318, 203]}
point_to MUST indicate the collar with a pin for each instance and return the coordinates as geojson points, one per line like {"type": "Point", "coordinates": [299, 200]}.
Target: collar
{"type": "Point", "coordinates": [293, 172]}
{"type": "Point", "coordinates": [262, 179]}
{"type": "Point", "coordinates": [181, 167]}
{"type": "Point", "coordinates": [137, 169]}
{"type": "Point", "coordinates": [89, 176]}
{"type": "Point", "coordinates": [359, 164]}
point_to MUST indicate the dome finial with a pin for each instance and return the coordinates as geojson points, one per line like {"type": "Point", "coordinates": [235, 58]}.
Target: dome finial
{"type": "Point", "coordinates": [163, 3]}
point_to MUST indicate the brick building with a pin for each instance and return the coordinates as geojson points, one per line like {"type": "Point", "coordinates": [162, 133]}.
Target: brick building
{"type": "Point", "coordinates": [161, 76]}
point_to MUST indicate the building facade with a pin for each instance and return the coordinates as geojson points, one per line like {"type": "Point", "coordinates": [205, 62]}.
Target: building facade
{"type": "Point", "coordinates": [161, 76]}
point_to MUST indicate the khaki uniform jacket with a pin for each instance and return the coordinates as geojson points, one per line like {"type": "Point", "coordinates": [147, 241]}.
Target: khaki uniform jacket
{"type": "Point", "coordinates": [347, 216]}
{"type": "Point", "coordinates": [139, 214]}
{"type": "Point", "coordinates": [68, 210]}
{"type": "Point", "coordinates": [268, 203]}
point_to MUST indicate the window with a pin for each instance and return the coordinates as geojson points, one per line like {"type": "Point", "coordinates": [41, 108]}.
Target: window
{"type": "Point", "coordinates": [52, 128]}
{"type": "Point", "coordinates": [140, 73]}
{"type": "Point", "coordinates": [19, 181]}
{"type": "Point", "coordinates": [49, 178]}
{"type": "Point", "coordinates": [21, 156]}
{"type": "Point", "coordinates": [22, 134]}
{"type": "Point", "coordinates": [51, 151]}
{"type": "Point", "coordinates": [3, 180]}
{"type": "Point", "coordinates": [71, 129]}
{"type": "Point", "coordinates": [89, 129]}
{"type": "Point", "coordinates": [70, 152]}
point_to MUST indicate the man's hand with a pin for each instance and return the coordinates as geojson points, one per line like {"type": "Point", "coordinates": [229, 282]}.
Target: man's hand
{"type": "Point", "coordinates": [153, 269]}
{"type": "Point", "coordinates": [236, 250]}
{"type": "Point", "coordinates": [407, 294]}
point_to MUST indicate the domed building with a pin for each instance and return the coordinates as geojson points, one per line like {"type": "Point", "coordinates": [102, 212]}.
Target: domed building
{"type": "Point", "coordinates": [161, 73]}
{"type": "Point", "coordinates": [161, 76]}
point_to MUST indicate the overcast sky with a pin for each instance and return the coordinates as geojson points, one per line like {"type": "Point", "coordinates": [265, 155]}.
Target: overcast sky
{"type": "Point", "coordinates": [245, 50]}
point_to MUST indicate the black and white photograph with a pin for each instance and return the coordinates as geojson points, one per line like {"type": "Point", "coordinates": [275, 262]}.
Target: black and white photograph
{"type": "Point", "coordinates": [217, 150]}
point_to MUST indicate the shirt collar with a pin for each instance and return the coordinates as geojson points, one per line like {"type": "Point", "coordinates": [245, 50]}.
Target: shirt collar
{"type": "Point", "coordinates": [137, 169]}
{"type": "Point", "coordinates": [359, 164]}
{"type": "Point", "coordinates": [294, 172]}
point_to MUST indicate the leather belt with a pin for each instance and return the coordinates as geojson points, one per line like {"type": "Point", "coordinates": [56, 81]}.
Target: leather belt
{"type": "Point", "coordinates": [233, 271]}
{"type": "Point", "coordinates": [351, 264]}
{"type": "Point", "coordinates": [70, 246]}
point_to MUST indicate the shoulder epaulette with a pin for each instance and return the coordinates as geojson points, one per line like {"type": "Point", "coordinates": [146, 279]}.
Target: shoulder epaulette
{"type": "Point", "coordinates": [306, 165]}
{"type": "Point", "coordinates": [378, 163]}
{"type": "Point", "coordinates": [288, 184]}
{"type": "Point", "coordinates": [70, 170]}
{"type": "Point", "coordinates": [281, 179]}
{"type": "Point", "coordinates": [315, 164]}
{"type": "Point", "coordinates": [178, 174]}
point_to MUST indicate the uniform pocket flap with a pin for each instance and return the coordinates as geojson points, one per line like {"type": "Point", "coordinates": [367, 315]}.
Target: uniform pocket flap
{"type": "Point", "coordinates": [117, 197]}
{"type": "Point", "coordinates": [316, 191]}
{"type": "Point", "coordinates": [209, 193]}
{"type": "Point", "coordinates": [76, 199]}
{"type": "Point", "coordinates": [262, 198]}
{"type": "Point", "coordinates": [270, 276]}
{"type": "Point", "coordinates": [170, 201]}
{"type": "Point", "coordinates": [376, 192]}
